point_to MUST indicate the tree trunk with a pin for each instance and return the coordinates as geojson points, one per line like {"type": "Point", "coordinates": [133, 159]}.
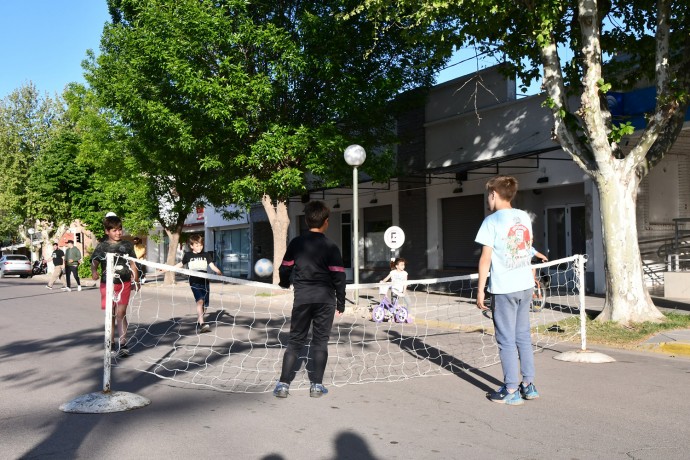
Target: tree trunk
{"type": "Point", "coordinates": [280, 221]}
{"type": "Point", "coordinates": [627, 298]}
{"type": "Point", "coordinates": [174, 239]}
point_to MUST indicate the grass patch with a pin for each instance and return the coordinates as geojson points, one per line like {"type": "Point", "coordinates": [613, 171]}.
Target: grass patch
{"type": "Point", "coordinates": [611, 333]}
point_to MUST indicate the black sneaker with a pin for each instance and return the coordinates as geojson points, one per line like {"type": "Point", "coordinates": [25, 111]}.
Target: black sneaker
{"type": "Point", "coordinates": [317, 390]}
{"type": "Point", "coordinates": [282, 390]}
{"type": "Point", "coordinates": [123, 352]}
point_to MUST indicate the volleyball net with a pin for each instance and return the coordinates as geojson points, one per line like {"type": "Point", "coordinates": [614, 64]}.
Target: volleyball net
{"type": "Point", "coordinates": [250, 323]}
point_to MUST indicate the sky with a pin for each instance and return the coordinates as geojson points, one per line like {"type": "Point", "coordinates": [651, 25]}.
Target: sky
{"type": "Point", "coordinates": [45, 41]}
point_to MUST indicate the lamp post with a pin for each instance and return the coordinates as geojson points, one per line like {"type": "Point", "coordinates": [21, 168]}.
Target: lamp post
{"type": "Point", "coordinates": [31, 232]}
{"type": "Point", "coordinates": [355, 156]}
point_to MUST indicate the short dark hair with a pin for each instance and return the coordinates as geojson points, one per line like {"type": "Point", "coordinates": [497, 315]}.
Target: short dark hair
{"type": "Point", "coordinates": [70, 241]}
{"type": "Point", "coordinates": [55, 244]}
{"type": "Point", "coordinates": [316, 213]}
{"type": "Point", "coordinates": [112, 222]}
{"type": "Point", "coordinates": [505, 186]}
{"type": "Point", "coordinates": [196, 238]}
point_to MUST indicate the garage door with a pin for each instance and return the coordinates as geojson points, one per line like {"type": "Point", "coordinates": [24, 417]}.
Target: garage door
{"type": "Point", "coordinates": [462, 217]}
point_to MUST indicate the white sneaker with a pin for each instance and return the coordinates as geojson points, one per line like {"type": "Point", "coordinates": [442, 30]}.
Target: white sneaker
{"type": "Point", "coordinates": [78, 288]}
{"type": "Point", "coordinates": [67, 289]}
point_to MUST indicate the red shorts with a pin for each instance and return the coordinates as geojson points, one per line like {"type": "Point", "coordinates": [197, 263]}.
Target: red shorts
{"type": "Point", "coordinates": [120, 294]}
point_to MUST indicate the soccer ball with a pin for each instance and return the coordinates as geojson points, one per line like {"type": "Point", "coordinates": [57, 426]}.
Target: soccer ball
{"type": "Point", "coordinates": [263, 268]}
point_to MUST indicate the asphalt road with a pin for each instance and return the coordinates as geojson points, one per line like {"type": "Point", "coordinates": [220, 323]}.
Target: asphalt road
{"type": "Point", "coordinates": [50, 353]}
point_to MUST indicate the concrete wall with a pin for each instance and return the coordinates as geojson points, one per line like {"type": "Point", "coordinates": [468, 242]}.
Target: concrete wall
{"type": "Point", "coordinates": [499, 131]}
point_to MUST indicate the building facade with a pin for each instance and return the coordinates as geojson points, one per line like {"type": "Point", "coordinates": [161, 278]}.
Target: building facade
{"type": "Point", "coordinates": [469, 130]}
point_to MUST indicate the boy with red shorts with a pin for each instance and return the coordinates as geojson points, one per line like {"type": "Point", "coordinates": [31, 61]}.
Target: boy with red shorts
{"type": "Point", "coordinates": [125, 272]}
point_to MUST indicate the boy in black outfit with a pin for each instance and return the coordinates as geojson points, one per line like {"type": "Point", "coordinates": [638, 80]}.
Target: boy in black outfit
{"type": "Point", "coordinates": [199, 260]}
{"type": "Point", "coordinates": [319, 281]}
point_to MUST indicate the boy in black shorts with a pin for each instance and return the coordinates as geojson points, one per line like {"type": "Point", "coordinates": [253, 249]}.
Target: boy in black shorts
{"type": "Point", "coordinates": [199, 260]}
{"type": "Point", "coordinates": [318, 275]}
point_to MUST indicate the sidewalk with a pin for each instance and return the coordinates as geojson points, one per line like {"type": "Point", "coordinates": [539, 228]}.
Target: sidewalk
{"type": "Point", "coordinates": [676, 342]}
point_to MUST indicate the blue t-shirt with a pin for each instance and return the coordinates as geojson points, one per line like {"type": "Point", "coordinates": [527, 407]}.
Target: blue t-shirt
{"type": "Point", "coordinates": [508, 232]}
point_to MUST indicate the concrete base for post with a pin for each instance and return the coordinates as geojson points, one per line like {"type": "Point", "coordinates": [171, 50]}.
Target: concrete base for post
{"type": "Point", "coordinates": [584, 356]}
{"type": "Point", "coordinates": [103, 403]}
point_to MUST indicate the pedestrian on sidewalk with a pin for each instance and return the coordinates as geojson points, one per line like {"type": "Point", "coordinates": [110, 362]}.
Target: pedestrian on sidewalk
{"type": "Point", "coordinates": [58, 257]}
{"type": "Point", "coordinates": [506, 239]}
{"type": "Point", "coordinates": [140, 251]}
{"type": "Point", "coordinates": [72, 261]}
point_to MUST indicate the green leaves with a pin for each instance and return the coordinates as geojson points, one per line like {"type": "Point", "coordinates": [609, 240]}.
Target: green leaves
{"type": "Point", "coordinates": [603, 86]}
{"type": "Point", "coordinates": [27, 120]}
{"type": "Point", "coordinates": [231, 100]}
{"type": "Point", "coordinates": [618, 131]}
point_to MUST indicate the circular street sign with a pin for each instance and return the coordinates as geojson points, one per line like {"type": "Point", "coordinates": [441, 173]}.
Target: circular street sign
{"type": "Point", "coordinates": [394, 237]}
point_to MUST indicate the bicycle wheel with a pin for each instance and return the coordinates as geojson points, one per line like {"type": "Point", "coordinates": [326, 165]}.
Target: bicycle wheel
{"type": "Point", "coordinates": [378, 313]}
{"type": "Point", "coordinates": [401, 315]}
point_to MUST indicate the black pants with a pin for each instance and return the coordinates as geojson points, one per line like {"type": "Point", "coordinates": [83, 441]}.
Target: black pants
{"type": "Point", "coordinates": [319, 317]}
{"type": "Point", "coordinates": [72, 270]}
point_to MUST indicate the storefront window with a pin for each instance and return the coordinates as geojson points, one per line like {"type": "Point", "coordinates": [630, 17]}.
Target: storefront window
{"type": "Point", "coordinates": [232, 252]}
{"type": "Point", "coordinates": [376, 222]}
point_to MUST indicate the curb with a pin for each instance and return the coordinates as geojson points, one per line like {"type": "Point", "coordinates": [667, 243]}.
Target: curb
{"type": "Point", "coordinates": [670, 348]}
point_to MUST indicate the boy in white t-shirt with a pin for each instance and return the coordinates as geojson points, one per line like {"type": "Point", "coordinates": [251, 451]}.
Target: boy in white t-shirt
{"type": "Point", "coordinates": [506, 239]}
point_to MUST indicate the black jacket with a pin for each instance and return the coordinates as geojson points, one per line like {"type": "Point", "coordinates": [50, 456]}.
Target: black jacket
{"type": "Point", "coordinates": [314, 265]}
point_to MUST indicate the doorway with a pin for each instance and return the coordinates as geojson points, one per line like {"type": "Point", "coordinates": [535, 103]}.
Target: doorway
{"type": "Point", "coordinates": [565, 231]}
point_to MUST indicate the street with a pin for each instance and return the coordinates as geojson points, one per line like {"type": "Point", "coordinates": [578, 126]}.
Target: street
{"type": "Point", "coordinates": [51, 352]}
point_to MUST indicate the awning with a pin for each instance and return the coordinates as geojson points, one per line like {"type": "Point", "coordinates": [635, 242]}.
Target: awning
{"type": "Point", "coordinates": [483, 163]}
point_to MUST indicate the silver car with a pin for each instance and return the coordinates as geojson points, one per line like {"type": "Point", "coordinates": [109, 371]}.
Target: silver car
{"type": "Point", "coordinates": [15, 264]}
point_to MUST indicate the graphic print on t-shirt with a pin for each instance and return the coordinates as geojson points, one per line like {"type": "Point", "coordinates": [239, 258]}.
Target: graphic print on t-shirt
{"type": "Point", "coordinates": [518, 245]}
{"type": "Point", "coordinates": [198, 262]}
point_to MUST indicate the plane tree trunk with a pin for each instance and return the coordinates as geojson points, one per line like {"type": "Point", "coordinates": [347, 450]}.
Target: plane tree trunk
{"type": "Point", "coordinates": [280, 221]}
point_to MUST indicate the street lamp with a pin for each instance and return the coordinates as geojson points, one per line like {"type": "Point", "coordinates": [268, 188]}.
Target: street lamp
{"type": "Point", "coordinates": [355, 156]}
{"type": "Point", "coordinates": [31, 232]}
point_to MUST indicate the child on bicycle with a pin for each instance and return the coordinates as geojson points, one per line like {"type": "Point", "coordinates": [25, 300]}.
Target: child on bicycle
{"type": "Point", "coordinates": [398, 278]}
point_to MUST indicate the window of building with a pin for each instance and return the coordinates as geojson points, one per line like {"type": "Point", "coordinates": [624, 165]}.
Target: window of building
{"type": "Point", "coordinates": [232, 252]}
{"type": "Point", "coordinates": [376, 220]}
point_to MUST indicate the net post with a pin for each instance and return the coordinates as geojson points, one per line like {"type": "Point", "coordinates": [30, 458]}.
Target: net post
{"type": "Point", "coordinates": [109, 282]}
{"type": "Point", "coordinates": [583, 355]}
{"type": "Point", "coordinates": [580, 261]}
{"type": "Point", "coordinates": [106, 401]}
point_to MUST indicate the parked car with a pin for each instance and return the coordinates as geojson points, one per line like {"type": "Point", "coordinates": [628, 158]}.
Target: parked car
{"type": "Point", "coordinates": [15, 264]}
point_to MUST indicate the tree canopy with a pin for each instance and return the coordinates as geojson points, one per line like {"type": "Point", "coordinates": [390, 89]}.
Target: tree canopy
{"type": "Point", "coordinates": [66, 159]}
{"type": "Point", "coordinates": [230, 100]}
{"type": "Point", "coordinates": [27, 122]}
